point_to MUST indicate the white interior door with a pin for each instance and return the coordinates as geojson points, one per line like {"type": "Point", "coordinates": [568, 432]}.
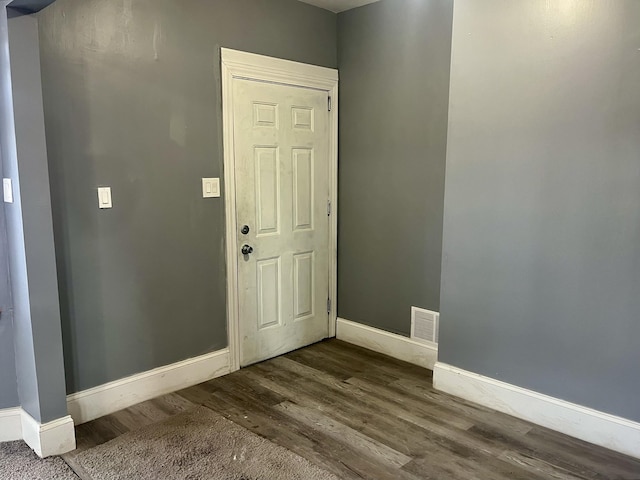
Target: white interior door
{"type": "Point", "coordinates": [281, 144]}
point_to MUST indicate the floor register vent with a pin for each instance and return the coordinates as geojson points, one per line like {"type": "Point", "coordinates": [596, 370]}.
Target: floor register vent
{"type": "Point", "coordinates": [424, 325]}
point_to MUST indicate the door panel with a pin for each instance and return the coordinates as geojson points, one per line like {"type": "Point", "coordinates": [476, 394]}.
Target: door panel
{"type": "Point", "coordinates": [269, 284]}
{"type": "Point", "coordinates": [267, 190]}
{"type": "Point", "coordinates": [281, 143]}
{"type": "Point", "coordinates": [303, 296]}
{"type": "Point", "coordinates": [303, 183]}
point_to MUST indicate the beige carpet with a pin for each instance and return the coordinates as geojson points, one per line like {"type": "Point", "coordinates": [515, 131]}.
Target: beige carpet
{"type": "Point", "coordinates": [196, 445]}
{"type": "Point", "coordinates": [18, 462]}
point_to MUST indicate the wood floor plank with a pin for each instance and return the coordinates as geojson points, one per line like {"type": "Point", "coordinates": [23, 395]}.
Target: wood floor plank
{"type": "Point", "coordinates": [341, 370]}
{"type": "Point", "coordinates": [172, 404]}
{"type": "Point", "coordinates": [347, 353]}
{"type": "Point", "coordinates": [435, 465]}
{"type": "Point", "coordinates": [544, 469]}
{"type": "Point", "coordinates": [525, 446]}
{"type": "Point", "coordinates": [492, 422]}
{"type": "Point", "coordinates": [338, 406]}
{"type": "Point", "coordinates": [362, 415]}
{"type": "Point", "coordinates": [198, 394]}
{"type": "Point", "coordinates": [436, 404]}
{"type": "Point", "coordinates": [418, 386]}
{"type": "Point", "coordinates": [413, 393]}
{"type": "Point", "coordinates": [249, 389]}
{"type": "Point", "coordinates": [314, 395]}
{"type": "Point", "coordinates": [338, 457]}
{"type": "Point", "coordinates": [387, 427]}
{"type": "Point", "coordinates": [421, 418]}
{"type": "Point", "coordinates": [581, 452]}
{"type": "Point", "coordinates": [343, 433]}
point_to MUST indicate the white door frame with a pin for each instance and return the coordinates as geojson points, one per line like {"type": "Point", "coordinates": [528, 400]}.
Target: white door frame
{"type": "Point", "coordinates": [242, 65]}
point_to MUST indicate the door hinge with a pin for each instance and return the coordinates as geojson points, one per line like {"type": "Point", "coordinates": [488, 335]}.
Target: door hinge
{"type": "Point", "coordinates": [328, 208]}
{"type": "Point", "coordinates": [328, 305]}
{"type": "Point", "coordinates": [329, 102]}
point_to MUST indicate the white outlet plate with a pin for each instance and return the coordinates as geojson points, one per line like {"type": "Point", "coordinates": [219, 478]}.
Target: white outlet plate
{"type": "Point", "coordinates": [104, 197]}
{"type": "Point", "coordinates": [7, 190]}
{"type": "Point", "coordinates": [210, 187]}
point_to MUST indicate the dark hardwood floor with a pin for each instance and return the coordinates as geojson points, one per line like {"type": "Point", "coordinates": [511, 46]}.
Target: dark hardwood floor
{"type": "Point", "coordinates": [360, 415]}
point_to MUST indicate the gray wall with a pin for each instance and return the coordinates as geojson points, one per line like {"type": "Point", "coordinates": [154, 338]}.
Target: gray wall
{"type": "Point", "coordinates": [34, 289]}
{"type": "Point", "coordinates": [132, 101]}
{"type": "Point", "coordinates": [8, 385]}
{"type": "Point", "coordinates": [394, 59]}
{"type": "Point", "coordinates": [541, 260]}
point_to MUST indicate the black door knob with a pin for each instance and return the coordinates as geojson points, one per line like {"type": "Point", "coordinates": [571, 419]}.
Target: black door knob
{"type": "Point", "coordinates": [245, 229]}
{"type": "Point", "coordinates": [247, 249]}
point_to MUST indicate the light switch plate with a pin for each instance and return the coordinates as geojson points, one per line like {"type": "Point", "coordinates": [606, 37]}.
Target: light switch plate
{"type": "Point", "coordinates": [7, 190]}
{"type": "Point", "coordinates": [104, 197]}
{"type": "Point", "coordinates": [210, 187]}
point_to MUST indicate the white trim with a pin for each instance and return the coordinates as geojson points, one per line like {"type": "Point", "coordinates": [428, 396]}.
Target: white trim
{"type": "Point", "coordinates": [51, 438]}
{"type": "Point", "coordinates": [268, 69]}
{"type": "Point", "coordinates": [113, 396]}
{"type": "Point", "coordinates": [333, 221]}
{"type": "Point", "coordinates": [396, 346]}
{"type": "Point", "coordinates": [10, 424]}
{"type": "Point", "coordinates": [236, 64]}
{"type": "Point", "coordinates": [590, 425]}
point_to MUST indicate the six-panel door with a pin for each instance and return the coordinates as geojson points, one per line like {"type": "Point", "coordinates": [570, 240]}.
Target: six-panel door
{"type": "Point", "coordinates": [282, 187]}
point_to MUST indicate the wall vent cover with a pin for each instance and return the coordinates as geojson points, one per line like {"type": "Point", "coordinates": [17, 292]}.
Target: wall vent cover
{"type": "Point", "coordinates": [424, 325]}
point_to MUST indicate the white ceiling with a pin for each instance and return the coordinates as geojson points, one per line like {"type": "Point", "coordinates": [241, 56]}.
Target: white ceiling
{"type": "Point", "coordinates": [338, 6]}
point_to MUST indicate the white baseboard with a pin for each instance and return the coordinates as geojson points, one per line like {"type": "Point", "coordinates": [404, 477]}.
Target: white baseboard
{"type": "Point", "coordinates": [10, 424]}
{"type": "Point", "coordinates": [396, 346]}
{"type": "Point", "coordinates": [593, 426]}
{"type": "Point", "coordinates": [51, 438]}
{"type": "Point", "coordinates": [113, 396]}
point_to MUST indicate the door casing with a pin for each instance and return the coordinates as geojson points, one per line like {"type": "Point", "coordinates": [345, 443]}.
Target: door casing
{"type": "Point", "coordinates": [242, 65]}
